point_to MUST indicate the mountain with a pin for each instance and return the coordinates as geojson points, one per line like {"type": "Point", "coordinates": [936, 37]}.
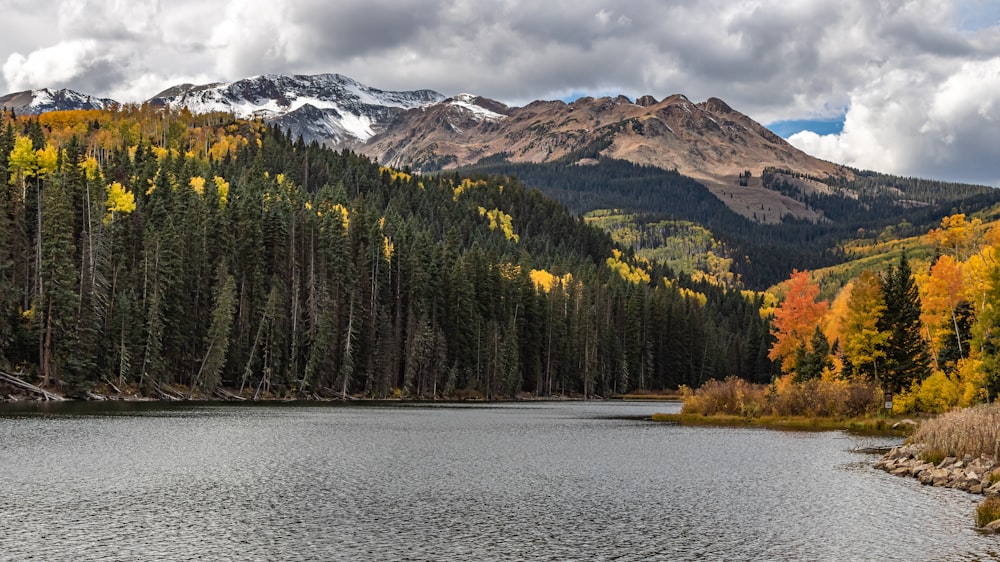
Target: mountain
{"type": "Point", "coordinates": [421, 129]}
{"type": "Point", "coordinates": [708, 141]}
{"type": "Point", "coordinates": [750, 170]}
{"type": "Point", "coordinates": [33, 102]}
{"type": "Point", "coordinates": [330, 108]}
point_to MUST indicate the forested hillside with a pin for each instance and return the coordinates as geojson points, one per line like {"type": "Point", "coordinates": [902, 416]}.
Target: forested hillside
{"type": "Point", "coordinates": [762, 254]}
{"type": "Point", "coordinates": [155, 250]}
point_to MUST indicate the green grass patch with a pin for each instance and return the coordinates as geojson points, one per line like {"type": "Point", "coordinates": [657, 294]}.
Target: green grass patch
{"type": "Point", "coordinates": [988, 511]}
{"type": "Point", "coordinates": [866, 425]}
{"type": "Point", "coordinates": [994, 476]}
{"type": "Point", "coordinates": [934, 455]}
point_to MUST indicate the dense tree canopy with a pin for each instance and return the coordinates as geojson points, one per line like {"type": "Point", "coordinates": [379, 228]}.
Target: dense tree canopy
{"type": "Point", "coordinates": [161, 249]}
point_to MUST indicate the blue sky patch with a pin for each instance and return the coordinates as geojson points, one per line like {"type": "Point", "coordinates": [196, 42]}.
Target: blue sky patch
{"type": "Point", "coordinates": [785, 129]}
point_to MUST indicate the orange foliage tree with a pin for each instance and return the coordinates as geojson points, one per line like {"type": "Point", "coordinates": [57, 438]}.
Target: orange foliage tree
{"type": "Point", "coordinates": [796, 319]}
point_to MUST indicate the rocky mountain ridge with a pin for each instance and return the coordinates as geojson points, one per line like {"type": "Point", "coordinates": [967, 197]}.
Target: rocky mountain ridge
{"type": "Point", "coordinates": [425, 131]}
{"type": "Point", "coordinates": [33, 102]}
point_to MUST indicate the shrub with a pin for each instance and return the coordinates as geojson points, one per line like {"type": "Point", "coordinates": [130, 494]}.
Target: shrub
{"type": "Point", "coordinates": [988, 511]}
{"type": "Point", "coordinates": [733, 396]}
{"type": "Point", "coordinates": [820, 397]}
{"type": "Point", "coordinates": [994, 476]}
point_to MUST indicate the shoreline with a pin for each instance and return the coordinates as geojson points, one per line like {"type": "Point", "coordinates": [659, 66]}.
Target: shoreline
{"type": "Point", "coordinates": [979, 475]}
{"type": "Point", "coordinates": [879, 426]}
{"type": "Point", "coordinates": [231, 395]}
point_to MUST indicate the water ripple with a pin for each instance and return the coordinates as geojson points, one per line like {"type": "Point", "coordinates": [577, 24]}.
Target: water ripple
{"type": "Point", "coordinates": [497, 482]}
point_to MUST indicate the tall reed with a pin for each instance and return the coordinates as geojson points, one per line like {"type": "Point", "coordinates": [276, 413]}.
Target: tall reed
{"type": "Point", "coordinates": [971, 431]}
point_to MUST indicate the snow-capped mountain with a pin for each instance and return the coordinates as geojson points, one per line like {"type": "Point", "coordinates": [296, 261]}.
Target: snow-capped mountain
{"type": "Point", "coordinates": [425, 131]}
{"type": "Point", "coordinates": [33, 102]}
{"type": "Point", "coordinates": [331, 108]}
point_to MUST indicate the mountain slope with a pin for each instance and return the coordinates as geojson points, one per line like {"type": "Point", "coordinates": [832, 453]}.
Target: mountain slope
{"type": "Point", "coordinates": [330, 108]}
{"type": "Point", "coordinates": [34, 102]}
{"type": "Point", "coordinates": [707, 141]}
{"type": "Point", "coordinates": [752, 171]}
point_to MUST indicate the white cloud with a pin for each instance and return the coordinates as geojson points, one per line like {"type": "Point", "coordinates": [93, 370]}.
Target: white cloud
{"type": "Point", "coordinates": [916, 78]}
{"type": "Point", "coordinates": [51, 66]}
{"type": "Point", "coordinates": [921, 123]}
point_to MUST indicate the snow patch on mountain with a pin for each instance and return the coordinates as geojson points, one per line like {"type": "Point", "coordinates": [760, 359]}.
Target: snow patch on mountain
{"type": "Point", "coordinates": [34, 102]}
{"type": "Point", "coordinates": [479, 113]}
{"type": "Point", "coordinates": [343, 108]}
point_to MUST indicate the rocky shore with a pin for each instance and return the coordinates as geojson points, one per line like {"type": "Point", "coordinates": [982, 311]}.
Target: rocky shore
{"type": "Point", "coordinates": [979, 475]}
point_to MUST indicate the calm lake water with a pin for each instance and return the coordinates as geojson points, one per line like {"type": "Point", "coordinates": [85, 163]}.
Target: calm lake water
{"type": "Point", "coordinates": [535, 481]}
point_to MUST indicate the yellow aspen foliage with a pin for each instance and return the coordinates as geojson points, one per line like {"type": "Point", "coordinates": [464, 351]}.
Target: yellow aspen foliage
{"type": "Point", "coordinates": [634, 274]}
{"type": "Point", "coordinates": [971, 381]}
{"type": "Point", "coordinates": [977, 277]}
{"type": "Point", "coordinates": [545, 281]}
{"type": "Point", "coordinates": [503, 221]}
{"type": "Point", "coordinates": [940, 296]}
{"type": "Point", "coordinates": [387, 248]}
{"type": "Point", "coordinates": [509, 271]}
{"type": "Point", "coordinates": [957, 237]}
{"type": "Point", "coordinates": [395, 174]}
{"type": "Point", "coordinates": [90, 168]}
{"type": "Point", "coordinates": [161, 153]}
{"type": "Point", "coordinates": [839, 311]}
{"type": "Point", "coordinates": [198, 185]}
{"type": "Point", "coordinates": [119, 200]}
{"type": "Point", "coordinates": [308, 206]}
{"type": "Point", "coordinates": [224, 145]}
{"type": "Point", "coordinates": [280, 178]}
{"type": "Point", "coordinates": [935, 394]}
{"type": "Point", "coordinates": [23, 161]}
{"type": "Point", "coordinates": [466, 185]}
{"type": "Point", "coordinates": [542, 279]}
{"type": "Point", "coordinates": [222, 186]}
{"type": "Point", "coordinates": [696, 296]}
{"type": "Point", "coordinates": [47, 159]}
{"type": "Point", "coordinates": [768, 302]}
{"type": "Point", "coordinates": [345, 218]}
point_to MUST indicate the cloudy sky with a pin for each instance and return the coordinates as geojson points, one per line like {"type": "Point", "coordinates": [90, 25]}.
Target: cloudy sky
{"type": "Point", "coordinates": [906, 87]}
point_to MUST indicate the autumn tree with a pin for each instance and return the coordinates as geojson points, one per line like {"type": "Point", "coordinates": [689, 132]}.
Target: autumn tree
{"type": "Point", "coordinates": [795, 320]}
{"type": "Point", "coordinates": [943, 299]}
{"type": "Point", "coordinates": [863, 342]}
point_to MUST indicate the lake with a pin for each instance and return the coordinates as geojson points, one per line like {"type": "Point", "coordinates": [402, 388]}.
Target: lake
{"type": "Point", "coordinates": [517, 481]}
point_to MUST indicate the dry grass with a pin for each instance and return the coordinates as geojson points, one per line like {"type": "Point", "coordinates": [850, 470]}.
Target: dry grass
{"type": "Point", "coordinates": [970, 431]}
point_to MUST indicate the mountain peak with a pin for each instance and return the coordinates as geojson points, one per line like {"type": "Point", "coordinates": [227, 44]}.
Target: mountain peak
{"type": "Point", "coordinates": [331, 108]}
{"type": "Point", "coordinates": [34, 102]}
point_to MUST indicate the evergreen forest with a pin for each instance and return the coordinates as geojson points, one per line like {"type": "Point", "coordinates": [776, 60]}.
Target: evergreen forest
{"type": "Point", "coordinates": [168, 253]}
{"type": "Point", "coordinates": [761, 255]}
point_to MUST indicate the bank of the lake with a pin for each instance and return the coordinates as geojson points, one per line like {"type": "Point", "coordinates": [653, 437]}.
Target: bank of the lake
{"type": "Point", "coordinates": [959, 449]}
{"type": "Point", "coordinates": [872, 425]}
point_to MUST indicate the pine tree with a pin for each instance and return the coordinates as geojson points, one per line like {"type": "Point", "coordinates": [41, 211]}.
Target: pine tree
{"type": "Point", "coordinates": [906, 354]}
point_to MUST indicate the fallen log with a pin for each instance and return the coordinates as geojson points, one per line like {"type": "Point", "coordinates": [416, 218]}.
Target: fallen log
{"type": "Point", "coordinates": [16, 381]}
{"type": "Point", "coordinates": [226, 395]}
